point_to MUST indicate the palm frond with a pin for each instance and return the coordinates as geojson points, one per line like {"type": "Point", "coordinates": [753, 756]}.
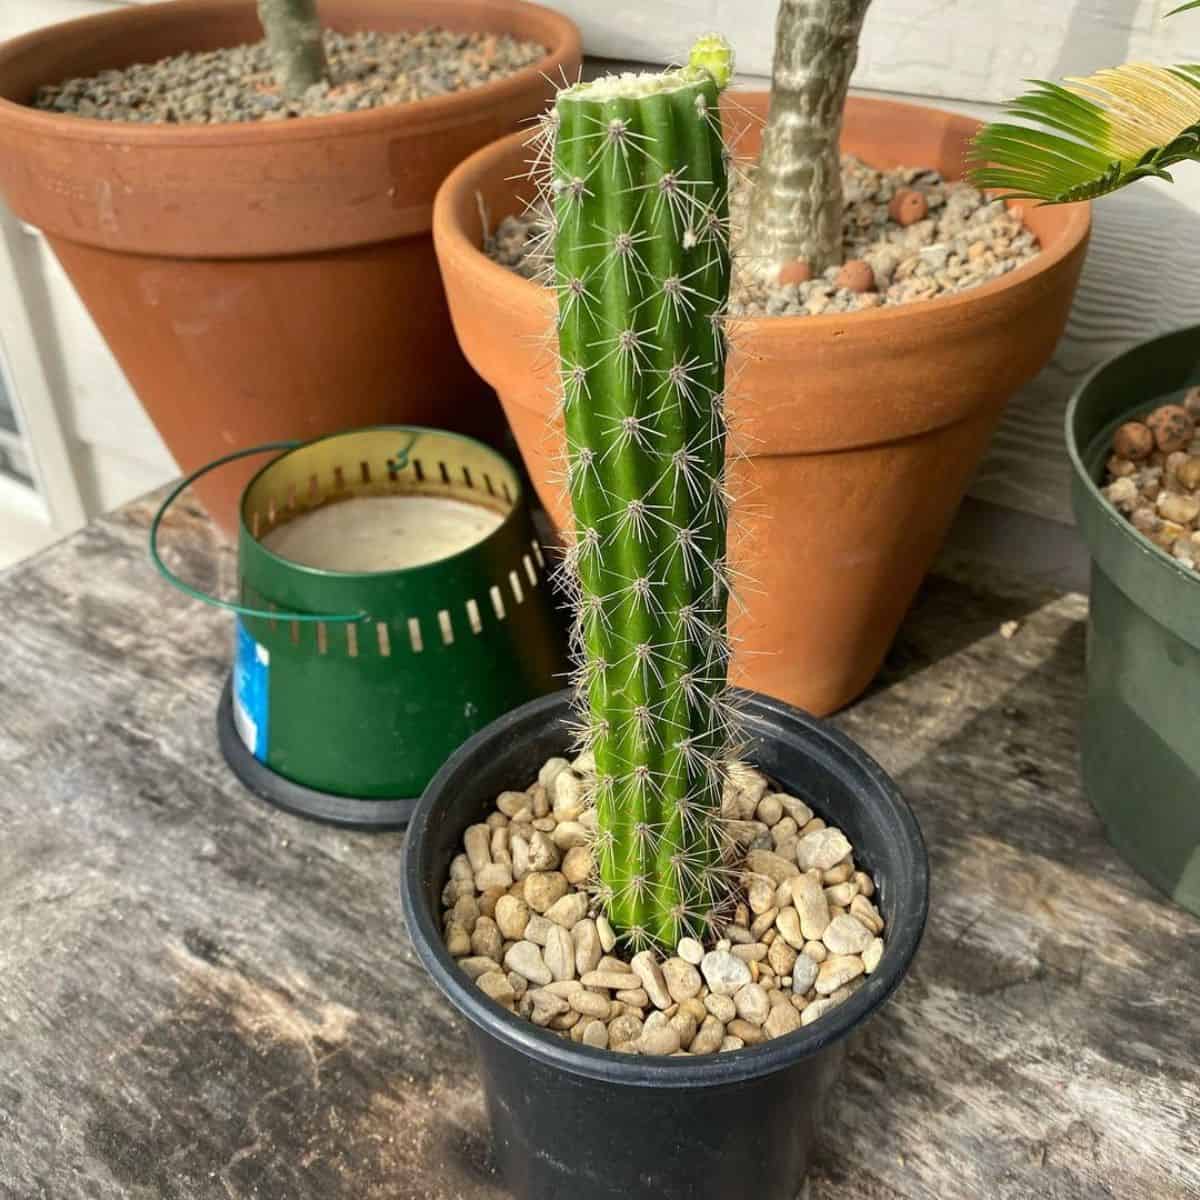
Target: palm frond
{"type": "Point", "coordinates": [1094, 135]}
{"type": "Point", "coordinates": [1184, 8]}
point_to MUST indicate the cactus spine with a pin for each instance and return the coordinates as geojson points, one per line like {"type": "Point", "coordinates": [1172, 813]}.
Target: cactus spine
{"type": "Point", "coordinates": [639, 186]}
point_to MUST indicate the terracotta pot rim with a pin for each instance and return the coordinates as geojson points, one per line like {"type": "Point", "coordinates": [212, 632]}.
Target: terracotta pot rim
{"type": "Point", "coordinates": [765, 328]}
{"type": "Point", "coordinates": [431, 112]}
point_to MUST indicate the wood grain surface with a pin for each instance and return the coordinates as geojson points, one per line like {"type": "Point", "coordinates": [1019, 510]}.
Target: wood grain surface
{"type": "Point", "coordinates": [203, 998]}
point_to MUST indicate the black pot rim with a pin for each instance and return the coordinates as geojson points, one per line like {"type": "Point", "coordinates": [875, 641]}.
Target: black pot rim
{"type": "Point", "coordinates": [635, 1070]}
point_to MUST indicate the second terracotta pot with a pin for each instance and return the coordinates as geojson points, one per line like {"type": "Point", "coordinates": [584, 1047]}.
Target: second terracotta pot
{"type": "Point", "coordinates": [861, 430]}
{"type": "Point", "coordinates": [273, 279]}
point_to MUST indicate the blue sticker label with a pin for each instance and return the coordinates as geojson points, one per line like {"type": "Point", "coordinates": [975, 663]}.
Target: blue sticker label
{"type": "Point", "coordinates": [251, 687]}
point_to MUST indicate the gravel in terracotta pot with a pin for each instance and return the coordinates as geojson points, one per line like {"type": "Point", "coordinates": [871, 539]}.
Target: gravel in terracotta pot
{"type": "Point", "coordinates": [272, 278]}
{"type": "Point", "coordinates": [861, 430]}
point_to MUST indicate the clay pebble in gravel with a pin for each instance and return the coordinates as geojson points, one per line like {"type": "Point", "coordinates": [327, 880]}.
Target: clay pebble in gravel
{"type": "Point", "coordinates": [1153, 477]}
{"type": "Point", "coordinates": [366, 70]}
{"type": "Point", "coordinates": [908, 235]}
{"type": "Point", "coordinates": [540, 948]}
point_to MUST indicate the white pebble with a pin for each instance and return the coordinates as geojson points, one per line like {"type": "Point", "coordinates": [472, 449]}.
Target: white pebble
{"type": "Point", "coordinates": [645, 967]}
{"type": "Point", "coordinates": [512, 916]}
{"type": "Point", "coordinates": [752, 1004]}
{"type": "Point", "coordinates": [494, 875]}
{"type": "Point", "coordinates": [588, 950]}
{"type": "Point", "coordinates": [478, 843]}
{"type": "Point", "coordinates": [836, 972]}
{"type": "Point", "coordinates": [526, 959]}
{"type": "Point", "coordinates": [569, 910]}
{"type": "Point", "coordinates": [724, 973]}
{"type": "Point", "coordinates": [682, 979]}
{"type": "Point", "coordinates": [608, 939]}
{"type": "Point", "coordinates": [872, 954]}
{"type": "Point", "coordinates": [846, 935]}
{"type": "Point", "coordinates": [559, 954]}
{"type": "Point", "coordinates": [804, 975]}
{"type": "Point", "coordinates": [822, 849]}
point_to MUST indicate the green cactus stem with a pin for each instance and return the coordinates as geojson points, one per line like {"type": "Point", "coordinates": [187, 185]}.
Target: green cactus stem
{"type": "Point", "coordinates": [639, 185]}
{"type": "Point", "coordinates": [293, 33]}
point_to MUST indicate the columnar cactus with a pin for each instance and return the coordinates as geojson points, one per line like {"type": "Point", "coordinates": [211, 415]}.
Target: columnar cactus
{"type": "Point", "coordinates": [639, 188]}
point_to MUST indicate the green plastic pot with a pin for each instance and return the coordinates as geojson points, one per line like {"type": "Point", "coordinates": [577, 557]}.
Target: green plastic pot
{"type": "Point", "coordinates": [349, 690]}
{"type": "Point", "coordinates": [1141, 741]}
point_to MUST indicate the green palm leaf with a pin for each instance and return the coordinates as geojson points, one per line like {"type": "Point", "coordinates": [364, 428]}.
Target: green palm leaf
{"type": "Point", "coordinates": [1093, 135]}
{"type": "Point", "coordinates": [1184, 8]}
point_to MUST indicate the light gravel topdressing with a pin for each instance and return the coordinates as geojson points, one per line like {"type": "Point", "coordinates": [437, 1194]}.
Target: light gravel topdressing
{"type": "Point", "coordinates": [366, 70]}
{"type": "Point", "coordinates": [520, 915]}
{"type": "Point", "coordinates": [955, 239]}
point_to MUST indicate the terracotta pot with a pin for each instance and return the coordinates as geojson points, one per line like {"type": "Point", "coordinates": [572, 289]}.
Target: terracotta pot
{"type": "Point", "coordinates": [861, 430]}
{"type": "Point", "coordinates": [273, 279]}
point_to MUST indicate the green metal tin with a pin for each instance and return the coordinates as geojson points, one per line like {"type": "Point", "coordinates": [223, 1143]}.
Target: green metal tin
{"type": "Point", "coordinates": [368, 702]}
{"type": "Point", "coordinates": [1141, 749]}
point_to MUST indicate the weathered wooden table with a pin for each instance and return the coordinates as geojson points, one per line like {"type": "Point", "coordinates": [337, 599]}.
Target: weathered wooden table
{"type": "Point", "coordinates": [202, 997]}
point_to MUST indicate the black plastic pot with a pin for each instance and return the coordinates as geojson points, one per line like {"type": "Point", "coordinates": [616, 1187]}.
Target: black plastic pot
{"type": "Point", "coordinates": [570, 1121]}
{"type": "Point", "coordinates": [1140, 752]}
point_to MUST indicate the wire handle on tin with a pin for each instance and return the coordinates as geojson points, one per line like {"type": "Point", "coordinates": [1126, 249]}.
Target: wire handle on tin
{"type": "Point", "coordinates": [230, 605]}
{"type": "Point", "coordinates": [401, 460]}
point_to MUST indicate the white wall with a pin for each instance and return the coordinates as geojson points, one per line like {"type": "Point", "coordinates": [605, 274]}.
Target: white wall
{"type": "Point", "coordinates": [963, 49]}
{"type": "Point", "coordinates": [68, 389]}
{"type": "Point", "coordinates": [1140, 278]}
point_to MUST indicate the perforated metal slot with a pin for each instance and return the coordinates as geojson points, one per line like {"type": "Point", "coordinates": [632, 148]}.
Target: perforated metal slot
{"type": "Point", "coordinates": [380, 463]}
{"type": "Point", "coordinates": [473, 617]}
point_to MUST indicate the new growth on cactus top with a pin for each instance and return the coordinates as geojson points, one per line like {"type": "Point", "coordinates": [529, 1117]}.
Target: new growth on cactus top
{"type": "Point", "coordinates": [637, 176]}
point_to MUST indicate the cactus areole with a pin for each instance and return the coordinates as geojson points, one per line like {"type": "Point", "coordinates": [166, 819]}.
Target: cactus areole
{"type": "Point", "coordinates": [638, 178]}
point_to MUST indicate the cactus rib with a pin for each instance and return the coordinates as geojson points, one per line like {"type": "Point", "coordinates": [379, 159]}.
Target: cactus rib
{"type": "Point", "coordinates": [639, 190]}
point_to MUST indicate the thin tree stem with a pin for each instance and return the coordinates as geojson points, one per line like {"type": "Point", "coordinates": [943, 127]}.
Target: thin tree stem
{"type": "Point", "coordinates": [293, 33]}
{"type": "Point", "coordinates": [796, 210]}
